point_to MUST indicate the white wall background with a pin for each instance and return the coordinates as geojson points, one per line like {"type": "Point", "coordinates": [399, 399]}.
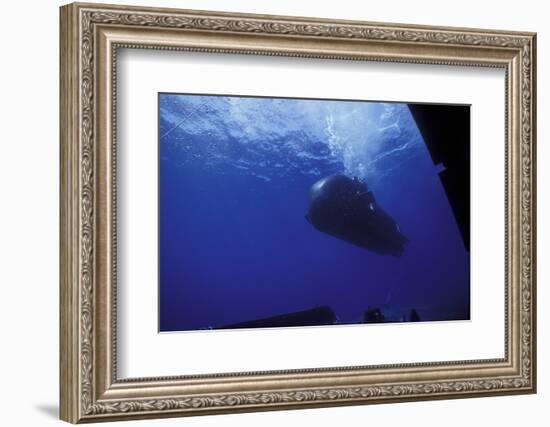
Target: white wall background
{"type": "Point", "coordinates": [29, 170]}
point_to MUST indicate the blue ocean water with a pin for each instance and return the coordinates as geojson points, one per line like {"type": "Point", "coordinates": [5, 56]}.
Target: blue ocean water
{"type": "Point", "coordinates": [235, 175]}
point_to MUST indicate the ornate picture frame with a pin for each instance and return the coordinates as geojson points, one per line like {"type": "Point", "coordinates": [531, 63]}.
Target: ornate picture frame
{"type": "Point", "coordinates": [91, 34]}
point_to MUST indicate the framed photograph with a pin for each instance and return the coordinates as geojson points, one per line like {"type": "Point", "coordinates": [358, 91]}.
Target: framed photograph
{"type": "Point", "coordinates": [266, 212]}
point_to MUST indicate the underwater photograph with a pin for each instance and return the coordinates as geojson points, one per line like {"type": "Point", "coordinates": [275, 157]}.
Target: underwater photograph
{"type": "Point", "coordinates": [294, 212]}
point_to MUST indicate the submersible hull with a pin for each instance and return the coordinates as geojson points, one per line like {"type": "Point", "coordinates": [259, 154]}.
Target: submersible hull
{"type": "Point", "coordinates": [344, 208]}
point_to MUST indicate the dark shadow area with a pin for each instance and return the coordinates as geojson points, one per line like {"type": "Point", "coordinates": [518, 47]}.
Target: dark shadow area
{"type": "Point", "coordinates": [446, 132]}
{"type": "Point", "coordinates": [323, 315]}
{"type": "Point", "coordinates": [50, 410]}
{"type": "Point", "coordinates": [313, 317]}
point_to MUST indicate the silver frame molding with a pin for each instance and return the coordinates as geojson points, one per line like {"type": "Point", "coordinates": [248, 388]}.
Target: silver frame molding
{"type": "Point", "coordinates": [90, 37]}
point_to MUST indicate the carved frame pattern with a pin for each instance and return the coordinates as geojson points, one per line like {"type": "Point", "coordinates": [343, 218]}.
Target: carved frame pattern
{"type": "Point", "coordinates": [80, 400]}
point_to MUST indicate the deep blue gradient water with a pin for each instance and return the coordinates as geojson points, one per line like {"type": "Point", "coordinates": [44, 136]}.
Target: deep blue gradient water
{"type": "Point", "coordinates": [235, 176]}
